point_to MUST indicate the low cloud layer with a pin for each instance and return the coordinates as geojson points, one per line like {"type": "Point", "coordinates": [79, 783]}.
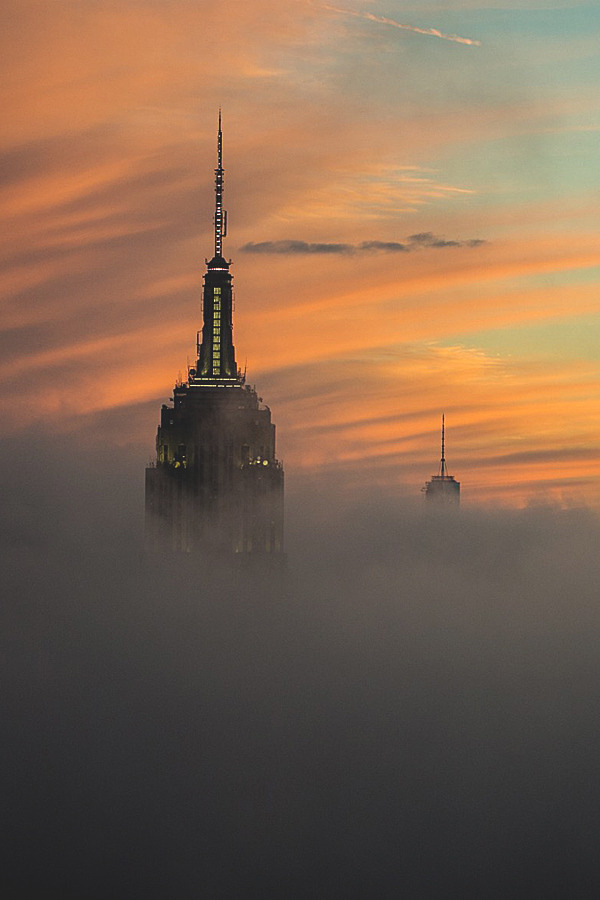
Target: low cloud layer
{"type": "Point", "coordinates": [414, 242]}
{"type": "Point", "coordinates": [410, 711]}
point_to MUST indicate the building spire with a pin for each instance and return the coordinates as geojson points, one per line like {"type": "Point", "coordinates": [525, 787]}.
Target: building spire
{"type": "Point", "coordinates": [443, 466]}
{"type": "Point", "coordinates": [216, 363]}
{"type": "Point", "coordinates": [220, 214]}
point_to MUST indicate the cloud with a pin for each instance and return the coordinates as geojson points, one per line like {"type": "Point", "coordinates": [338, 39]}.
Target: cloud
{"type": "Point", "coordinates": [433, 32]}
{"type": "Point", "coordinates": [414, 705]}
{"type": "Point", "coordinates": [414, 242]}
{"type": "Point", "coordinates": [107, 156]}
{"type": "Point", "coordinates": [427, 239]}
{"type": "Point", "coordinates": [378, 411]}
{"type": "Point", "coordinates": [295, 247]}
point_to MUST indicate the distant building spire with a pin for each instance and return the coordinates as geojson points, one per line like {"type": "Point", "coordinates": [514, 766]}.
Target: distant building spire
{"type": "Point", "coordinates": [220, 214]}
{"type": "Point", "coordinates": [443, 488]}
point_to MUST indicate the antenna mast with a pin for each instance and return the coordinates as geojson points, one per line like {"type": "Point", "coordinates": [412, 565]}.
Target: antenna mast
{"type": "Point", "coordinates": [220, 215]}
{"type": "Point", "coordinates": [443, 467]}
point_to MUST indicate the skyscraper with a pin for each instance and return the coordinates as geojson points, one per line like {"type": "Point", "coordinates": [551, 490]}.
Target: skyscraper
{"type": "Point", "coordinates": [216, 486]}
{"type": "Point", "coordinates": [443, 488]}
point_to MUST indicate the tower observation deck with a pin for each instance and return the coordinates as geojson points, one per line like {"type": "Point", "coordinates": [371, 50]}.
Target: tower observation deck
{"type": "Point", "coordinates": [443, 488]}
{"type": "Point", "coordinates": [216, 485]}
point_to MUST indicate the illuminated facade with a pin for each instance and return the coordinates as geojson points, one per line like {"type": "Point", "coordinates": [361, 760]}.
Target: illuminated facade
{"type": "Point", "coordinates": [216, 486]}
{"type": "Point", "coordinates": [443, 488]}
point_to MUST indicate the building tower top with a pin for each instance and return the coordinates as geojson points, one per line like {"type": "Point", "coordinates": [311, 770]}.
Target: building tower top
{"type": "Point", "coordinates": [216, 489]}
{"type": "Point", "coordinates": [443, 488]}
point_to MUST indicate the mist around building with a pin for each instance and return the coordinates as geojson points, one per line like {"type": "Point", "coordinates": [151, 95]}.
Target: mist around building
{"type": "Point", "coordinates": [409, 711]}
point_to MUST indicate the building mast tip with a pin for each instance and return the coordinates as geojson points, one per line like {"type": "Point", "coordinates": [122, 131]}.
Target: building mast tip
{"type": "Point", "coordinates": [220, 215]}
{"type": "Point", "coordinates": [443, 467]}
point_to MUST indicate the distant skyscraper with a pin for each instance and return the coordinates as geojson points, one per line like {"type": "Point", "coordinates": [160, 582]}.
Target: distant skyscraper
{"type": "Point", "coordinates": [217, 485]}
{"type": "Point", "coordinates": [443, 488]}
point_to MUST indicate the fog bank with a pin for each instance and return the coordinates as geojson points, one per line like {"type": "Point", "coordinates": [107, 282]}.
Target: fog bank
{"type": "Point", "coordinates": [410, 711]}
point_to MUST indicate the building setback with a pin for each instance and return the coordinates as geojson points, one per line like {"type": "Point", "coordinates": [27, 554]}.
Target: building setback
{"type": "Point", "coordinates": [216, 485]}
{"type": "Point", "coordinates": [443, 488]}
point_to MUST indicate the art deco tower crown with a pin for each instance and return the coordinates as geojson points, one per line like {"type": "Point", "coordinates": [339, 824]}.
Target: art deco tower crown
{"type": "Point", "coordinates": [217, 485]}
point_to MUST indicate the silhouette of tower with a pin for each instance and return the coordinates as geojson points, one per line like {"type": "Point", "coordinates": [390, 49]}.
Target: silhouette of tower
{"type": "Point", "coordinates": [216, 486]}
{"type": "Point", "coordinates": [443, 488]}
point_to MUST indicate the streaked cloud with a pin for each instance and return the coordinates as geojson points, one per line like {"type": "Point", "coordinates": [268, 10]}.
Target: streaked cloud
{"type": "Point", "coordinates": [107, 154]}
{"type": "Point", "coordinates": [379, 413]}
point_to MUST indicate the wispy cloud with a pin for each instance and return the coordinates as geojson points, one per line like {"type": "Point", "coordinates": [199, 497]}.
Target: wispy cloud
{"type": "Point", "coordinates": [433, 32]}
{"type": "Point", "coordinates": [414, 242]}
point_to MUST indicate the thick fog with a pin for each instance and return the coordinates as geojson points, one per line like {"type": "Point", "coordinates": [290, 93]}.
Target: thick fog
{"type": "Point", "coordinates": [410, 711]}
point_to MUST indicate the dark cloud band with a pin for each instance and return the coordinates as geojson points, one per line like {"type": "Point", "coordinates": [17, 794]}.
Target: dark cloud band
{"type": "Point", "coordinates": [413, 242]}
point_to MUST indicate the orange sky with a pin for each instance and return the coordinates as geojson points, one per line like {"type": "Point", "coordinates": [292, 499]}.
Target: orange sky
{"type": "Point", "coordinates": [339, 130]}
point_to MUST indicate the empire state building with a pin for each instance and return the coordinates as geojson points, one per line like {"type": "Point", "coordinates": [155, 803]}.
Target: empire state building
{"type": "Point", "coordinates": [216, 485]}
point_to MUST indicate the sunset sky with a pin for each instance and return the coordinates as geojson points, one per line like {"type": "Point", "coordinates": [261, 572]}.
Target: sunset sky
{"type": "Point", "coordinates": [413, 193]}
